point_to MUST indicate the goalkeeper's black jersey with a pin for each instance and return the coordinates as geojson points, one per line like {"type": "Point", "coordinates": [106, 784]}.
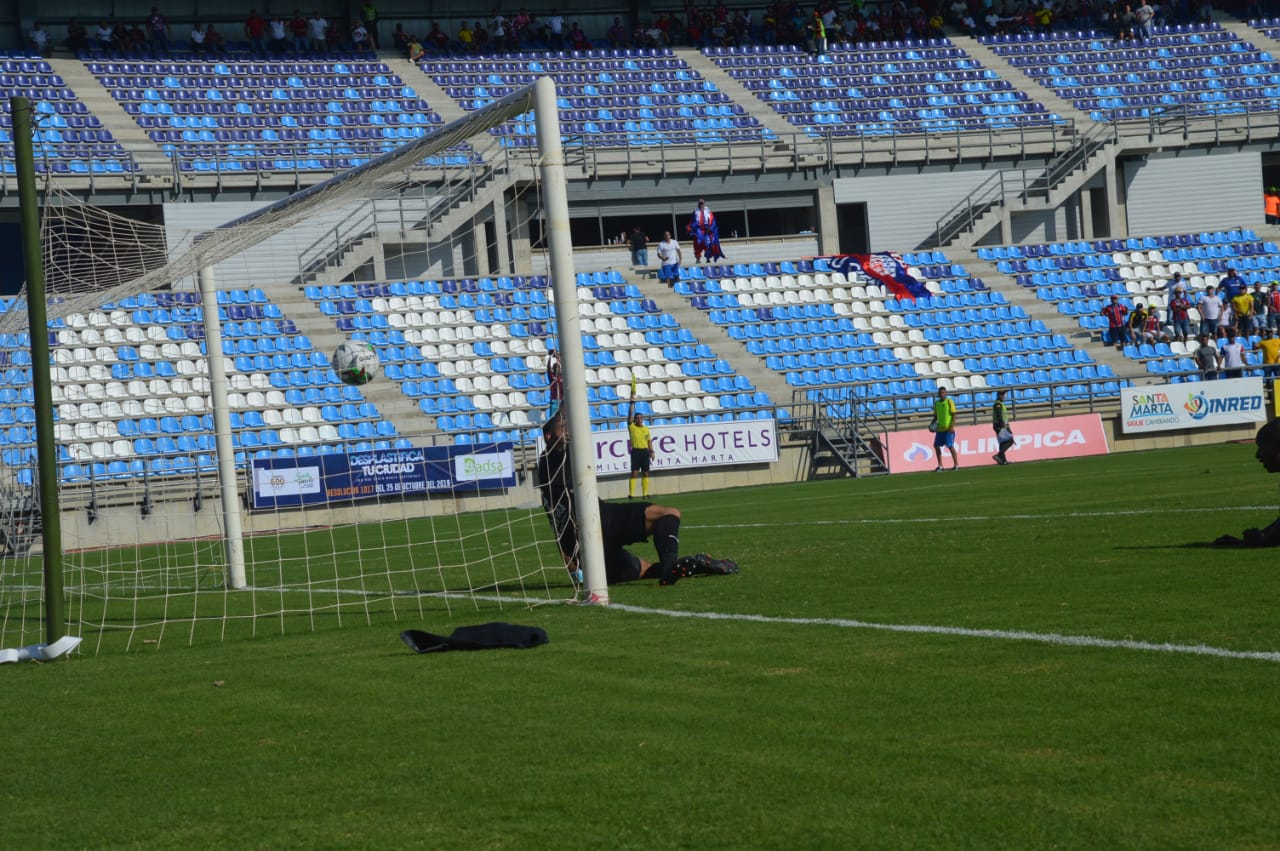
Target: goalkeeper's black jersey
{"type": "Point", "coordinates": [556, 485]}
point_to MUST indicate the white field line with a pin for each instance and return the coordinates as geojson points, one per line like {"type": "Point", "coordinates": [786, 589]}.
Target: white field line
{"type": "Point", "coordinates": [840, 623]}
{"type": "Point", "coordinates": [979, 518]}
{"type": "Point", "coordinates": [964, 632]}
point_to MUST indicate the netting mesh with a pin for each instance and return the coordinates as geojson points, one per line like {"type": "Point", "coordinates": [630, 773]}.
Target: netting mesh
{"type": "Point", "coordinates": [143, 528]}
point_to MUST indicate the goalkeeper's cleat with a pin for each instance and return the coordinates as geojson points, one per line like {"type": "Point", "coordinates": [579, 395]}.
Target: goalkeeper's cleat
{"type": "Point", "coordinates": [671, 577]}
{"type": "Point", "coordinates": [704, 565]}
{"type": "Point", "coordinates": [723, 567]}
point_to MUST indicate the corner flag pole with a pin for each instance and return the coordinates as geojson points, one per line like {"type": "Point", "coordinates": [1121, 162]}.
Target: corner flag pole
{"type": "Point", "coordinates": [20, 109]}
{"type": "Point", "coordinates": [555, 198]}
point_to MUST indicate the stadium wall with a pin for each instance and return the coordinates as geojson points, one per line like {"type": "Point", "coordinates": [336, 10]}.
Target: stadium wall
{"type": "Point", "coordinates": [1193, 190]}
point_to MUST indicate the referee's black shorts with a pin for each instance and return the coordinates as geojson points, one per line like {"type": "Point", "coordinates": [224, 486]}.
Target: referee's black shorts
{"type": "Point", "coordinates": [640, 459]}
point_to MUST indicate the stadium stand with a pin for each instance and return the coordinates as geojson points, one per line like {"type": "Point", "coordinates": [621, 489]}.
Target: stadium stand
{"type": "Point", "coordinates": [877, 89]}
{"type": "Point", "coordinates": [822, 331]}
{"type": "Point", "coordinates": [287, 115]}
{"type": "Point", "coordinates": [473, 353]}
{"type": "Point", "coordinates": [1202, 69]}
{"type": "Point", "coordinates": [615, 97]}
{"type": "Point", "coordinates": [1079, 277]}
{"type": "Point", "coordinates": [68, 139]}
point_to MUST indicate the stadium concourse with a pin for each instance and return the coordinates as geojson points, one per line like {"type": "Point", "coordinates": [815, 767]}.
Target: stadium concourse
{"type": "Point", "coordinates": [464, 354]}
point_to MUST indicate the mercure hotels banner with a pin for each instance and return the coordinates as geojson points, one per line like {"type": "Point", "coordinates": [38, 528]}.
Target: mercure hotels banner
{"type": "Point", "coordinates": [691, 445]}
{"type": "Point", "coordinates": [1037, 440]}
{"type": "Point", "coordinates": [1166, 407]}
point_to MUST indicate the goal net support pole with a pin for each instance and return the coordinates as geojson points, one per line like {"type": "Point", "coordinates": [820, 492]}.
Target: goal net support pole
{"type": "Point", "coordinates": [232, 527]}
{"type": "Point", "coordinates": [555, 199]}
{"type": "Point", "coordinates": [21, 110]}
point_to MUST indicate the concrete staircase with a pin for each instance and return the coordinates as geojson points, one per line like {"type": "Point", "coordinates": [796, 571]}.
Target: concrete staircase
{"type": "Point", "coordinates": [715, 338]}
{"type": "Point", "coordinates": [737, 92]}
{"type": "Point", "coordinates": [157, 169]}
{"type": "Point", "coordinates": [1036, 308]}
{"type": "Point", "coordinates": [395, 407]}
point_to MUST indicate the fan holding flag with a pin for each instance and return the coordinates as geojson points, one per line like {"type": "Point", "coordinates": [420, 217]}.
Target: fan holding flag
{"type": "Point", "coordinates": [641, 446]}
{"type": "Point", "coordinates": [705, 234]}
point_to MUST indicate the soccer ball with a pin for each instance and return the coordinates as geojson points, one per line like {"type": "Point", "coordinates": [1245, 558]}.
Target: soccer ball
{"type": "Point", "coordinates": [356, 362]}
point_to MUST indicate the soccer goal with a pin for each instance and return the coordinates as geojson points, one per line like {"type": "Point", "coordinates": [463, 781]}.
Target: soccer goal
{"type": "Point", "coordinates": [215, 476]}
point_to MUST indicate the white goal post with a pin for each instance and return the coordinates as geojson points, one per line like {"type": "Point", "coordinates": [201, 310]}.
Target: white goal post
{"type": "Point", "coordinates": [369, 557]}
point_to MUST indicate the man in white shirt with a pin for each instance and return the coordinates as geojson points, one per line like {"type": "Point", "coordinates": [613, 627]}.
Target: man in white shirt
{"type": "Point", "coordinates": [1210, 307]}
{"type": "Point", "coordinates": [197, 38]}
{"type": "Point", "coordinates": [669, 259]}
{"type": "Point", "coordinates": [318, 29]}
{"type": "Point", "coordinates": [39, 38]}
{"type": "Point", "coordinates": [555, 30]}
{"type": "Point", "coordinates": [1232, 357]}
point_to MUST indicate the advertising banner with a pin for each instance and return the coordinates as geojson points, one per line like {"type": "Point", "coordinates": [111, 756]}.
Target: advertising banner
{"type": "Point", "coordinates": [1037, 440]}
{"type": "Point", "coordinates": [318, 479]}
{"type": "Point", "coordinates": [1166, 407]}
{"type": "Point", "coordinates": [691, 445]}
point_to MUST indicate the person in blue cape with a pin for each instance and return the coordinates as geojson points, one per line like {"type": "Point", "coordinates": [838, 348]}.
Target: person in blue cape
{"type": "Point", "coordinates": [705, 234]}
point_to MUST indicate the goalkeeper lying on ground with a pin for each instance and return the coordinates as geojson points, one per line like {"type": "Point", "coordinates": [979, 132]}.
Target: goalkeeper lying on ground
{"type": "Point", "coordinates": [621, 524]}
{"type": "Point", "coordinates": [1268, 454]}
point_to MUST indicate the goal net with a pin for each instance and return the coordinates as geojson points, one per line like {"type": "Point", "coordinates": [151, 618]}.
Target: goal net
{"type": "Point", "coordinates": [204, 498]}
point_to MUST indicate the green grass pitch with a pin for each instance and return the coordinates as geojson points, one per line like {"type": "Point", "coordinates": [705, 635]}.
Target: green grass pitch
{"type": "Point", "coordinates": [789, 720]}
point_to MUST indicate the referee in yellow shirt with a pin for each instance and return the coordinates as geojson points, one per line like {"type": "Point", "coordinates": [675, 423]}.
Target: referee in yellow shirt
{"type": "Point", "coordinates": [641, 447]}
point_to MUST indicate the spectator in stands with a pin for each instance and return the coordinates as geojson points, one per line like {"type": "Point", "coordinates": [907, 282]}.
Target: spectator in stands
{"type": "Point", "coordinates": [1153, 330]}
{"type": "Point", "coordinates": [38, 39]}
{"type": "Point", "coordinates": [1271, 205]}
{"type": "Point", "coordinates": [1145, 19]}
{"type": "Point", "coordinates": [416, 51]}
{"type": "Point", "coordinates": [255, 32]}
{"type": "Point", "coordinates": [1242, 310]}
{"type": "Point", "coordinates": [135, 39]}
{"type": "Point", "coordinates": [369, 18]}
{"type": "Point", "coordinates": [1269, 348]}
{"type": "Point", "coordinates": [669, 259]}
{"type": "Point", "coordinates": [298, 28]}
{"type": "Point", "coordinates": [498, 26]}
{"type": "Point", "coordinates": [1000, 425]}
{"type": "Point", "coordinates": [196, 39]}
{"type": "Point", "coordinates": [400, 40]}
{"type": "Point", "coordinates": [77, 37]}
{"type": "Point", "coordinates": [617, 35]}
{"type": "Point", "coordinates": [360, 38]}
{"type": "Point", "coordinates": [1180, 315]}
{"type": "Point", "coordinates": [577, 38]}
{"type": "Point", "coordinates": [214, 41]}
{"type": "Point", "coordinates": [1273, 306]}
{"type": "Point", "coordinates": [620, 524]}
{"type": "Point", "coordinates": [105, 36]}
{"type": "Point", "coordinates": [1207, 358]}
{"type": "Point", "coordinates": [1138, 321]}
{"type": "Point", "coordinates": [437, 39]}
{"type": "Point", "coordinates": [466, 37]}
{"type": "Point", "coordinates": [1233, 356]}
{"type": "Point", "coordinates": [317, 33]}
{"type": "Point", "coordinates": [158, 32]}
{"type": "Point", "coordinates": [1173, 284]}
{"type": "Point", "coordinates": [1268, 454]}
{"type": "Point", "coordinates": [279, 34]}
{"type": "Point", "coordinates": [639, 245]}
{"type": "Point", "coordinates": [1226, 320]}
{"type": "Point", "coordinates": [555, 30]}
{"type": "Point", "coordinates": [1261, 304]}
{"type": "Point", "coordinates": [1116, 315]}
{"type": "Point", "coordinates": [705, 233]}
{"type": "Point", "coordinates": [817, 31]}
{"type": "Point", "coordinates": [1210, 307]}
{"type": "Point", "coordinates": [1231, 284]}
{"type": "Point", "coordinates": [944, 429]}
